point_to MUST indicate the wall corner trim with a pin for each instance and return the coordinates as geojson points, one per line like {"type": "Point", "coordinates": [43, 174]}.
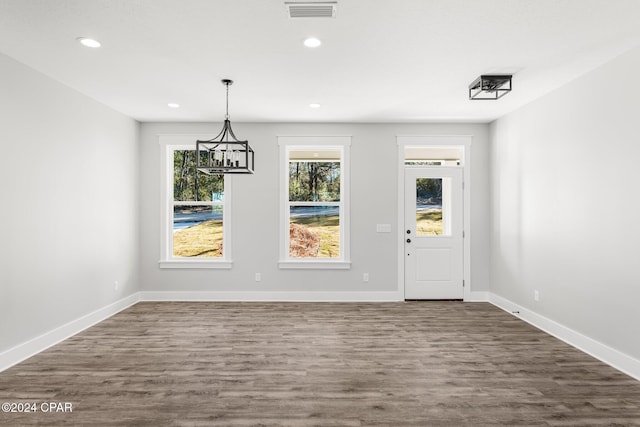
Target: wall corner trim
{"type": "Point", "coordinates": [612, 357]}
{"type": "Point", "coordinates": [23, 351]}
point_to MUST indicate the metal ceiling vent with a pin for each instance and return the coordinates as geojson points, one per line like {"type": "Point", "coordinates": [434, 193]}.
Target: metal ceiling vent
{"type": "Point", "coordinates": [320, 9]}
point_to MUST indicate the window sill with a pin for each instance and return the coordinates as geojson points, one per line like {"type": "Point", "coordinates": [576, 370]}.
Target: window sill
{"type": "Point", "coordinates": [314, 265]}
{"type": "Point", "coordinates": [195, 264]}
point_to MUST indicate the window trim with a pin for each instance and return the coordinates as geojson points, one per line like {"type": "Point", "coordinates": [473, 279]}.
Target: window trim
{"type": "Point", "coordinates": [290, 143]}
{"type": "Point", "coordinates": [168, 145]}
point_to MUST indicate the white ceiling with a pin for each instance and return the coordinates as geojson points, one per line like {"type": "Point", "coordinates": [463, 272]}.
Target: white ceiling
{"type": "Point", "coordinates": [380, 60]}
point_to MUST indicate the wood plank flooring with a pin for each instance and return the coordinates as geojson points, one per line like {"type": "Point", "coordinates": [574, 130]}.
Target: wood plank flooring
{"type": "Point", "coordinates": [319, 364]}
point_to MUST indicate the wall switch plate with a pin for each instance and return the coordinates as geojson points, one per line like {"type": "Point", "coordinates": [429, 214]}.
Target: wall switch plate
{"type": "Point", "coordinates": [365, 277]}
{"type": "Point", "coordinates": [383, 228]}
{"type": "Point", "coordinates": [536, 295]}
{"type": "Point", "coordinates": [258, 277]}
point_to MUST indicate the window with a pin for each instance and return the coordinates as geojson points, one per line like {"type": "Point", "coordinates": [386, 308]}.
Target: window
{"type": "Point", "coordinates": [314, 202]}
{"type": "Point", "coordinates": [433, 156]}
{"type": "Point", "coordinates": [433, 206]}
{"type": "Point", "coordinates": [195, 221]}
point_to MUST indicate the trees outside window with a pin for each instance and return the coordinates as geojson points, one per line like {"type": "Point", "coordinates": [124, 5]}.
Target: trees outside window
{"type": "Point", "coordinates": [198, 201]}
{"type": "Point", "coordinates": [314, 207]}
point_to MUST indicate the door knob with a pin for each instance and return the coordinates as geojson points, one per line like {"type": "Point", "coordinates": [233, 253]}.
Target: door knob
{"type": "Point", "coordinates": [408, 240]}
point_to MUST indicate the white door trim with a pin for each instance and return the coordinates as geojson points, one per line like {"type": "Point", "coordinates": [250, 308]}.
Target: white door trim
{"type": "Point", "coordinates": [426, 141]}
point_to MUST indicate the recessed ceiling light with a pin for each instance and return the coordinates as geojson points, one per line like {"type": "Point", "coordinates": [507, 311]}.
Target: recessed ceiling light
{"type": "Point", "coordinates": [314, 105]}
{"type": "Point", "coordinates": [312, 42]}
{"type": "Point", "coordinates": [89, 42]}
{"type": "Point", "coordinates": [173, 105]}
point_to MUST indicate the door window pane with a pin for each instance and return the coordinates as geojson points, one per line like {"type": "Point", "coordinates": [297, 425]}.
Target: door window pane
{"type": "Point", "coordinates": [314, 231]}
{"type": "Point", "coordinates": [197, 231]}
{"type": "Point", "coordinates": [433, 208]}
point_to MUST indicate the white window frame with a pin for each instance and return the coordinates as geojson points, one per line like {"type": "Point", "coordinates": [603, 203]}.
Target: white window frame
{"type": "Point", "coordinates": [168, 145]}
{"type": "Point", "coordinates": [308, 143]}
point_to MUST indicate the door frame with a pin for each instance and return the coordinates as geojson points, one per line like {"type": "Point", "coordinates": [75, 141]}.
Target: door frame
{"type": "Point", "coordinates": [463, 141]}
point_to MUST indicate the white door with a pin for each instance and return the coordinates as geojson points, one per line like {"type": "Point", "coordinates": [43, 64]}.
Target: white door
{"type": "Point", "coordinates": [434, 267]}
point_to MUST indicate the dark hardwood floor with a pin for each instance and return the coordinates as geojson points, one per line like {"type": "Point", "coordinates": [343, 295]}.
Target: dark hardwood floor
{"type": "Point", "coordinates": [324, 364]}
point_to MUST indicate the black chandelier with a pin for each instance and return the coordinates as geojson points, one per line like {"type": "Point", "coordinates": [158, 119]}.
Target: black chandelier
{"type": "Point", "coordinates": [493, 86]}
{"type": "Point", "coordinates": [224, 153]}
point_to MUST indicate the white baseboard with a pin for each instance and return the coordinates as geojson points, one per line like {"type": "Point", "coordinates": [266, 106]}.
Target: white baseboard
{"type": "Point", "coordinates": [271, 296]}
{"type": "Point", "coordinates": [600, 351]}
{"type": "Point", "coordinates": [478, 297]}
{"type": "Point", "coordinates": [287, 296]}
{"type": "Point", "coordinates": [34, 346]}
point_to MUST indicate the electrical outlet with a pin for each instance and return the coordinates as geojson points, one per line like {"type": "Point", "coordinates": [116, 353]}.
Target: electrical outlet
{"type": "Point", "coordinates": [536, 295]}
{"type": "Point", "coordinates": [258, 277]}
{"type": "Point", "coordinates": [365, 277]}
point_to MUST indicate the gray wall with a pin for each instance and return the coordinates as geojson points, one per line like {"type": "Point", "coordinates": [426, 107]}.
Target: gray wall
{"type": "Point", "coordinates": [255, 210]}
{"type": "Point", "coordinates": [565, 205]}
{"type": "Point", "coordinates": [69, 194]}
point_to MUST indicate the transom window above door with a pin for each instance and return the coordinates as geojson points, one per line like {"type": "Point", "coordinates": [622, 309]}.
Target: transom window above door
{"type": "Point", "coordinates": [433, 156]}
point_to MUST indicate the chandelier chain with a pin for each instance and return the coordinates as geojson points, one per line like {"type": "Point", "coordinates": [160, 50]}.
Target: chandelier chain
{"type": "Point", "coordinates": [226, 116]}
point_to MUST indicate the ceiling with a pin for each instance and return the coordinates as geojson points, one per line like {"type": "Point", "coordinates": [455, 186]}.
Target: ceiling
{"type": "Point", "coordinates": [380, 60]}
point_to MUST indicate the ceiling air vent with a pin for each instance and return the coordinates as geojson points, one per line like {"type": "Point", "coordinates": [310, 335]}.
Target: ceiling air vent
{"type": "Point", "coordinates": [322, 9]}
